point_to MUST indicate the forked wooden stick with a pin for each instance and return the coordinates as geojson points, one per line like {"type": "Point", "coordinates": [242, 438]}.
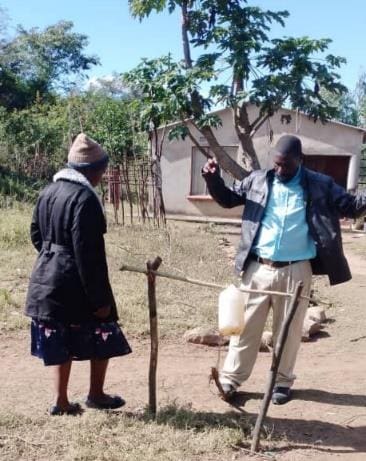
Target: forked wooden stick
{"type": "Point", "coordinates": [152, 273]}
{"type": "Point", "coordinates": [276, 357]}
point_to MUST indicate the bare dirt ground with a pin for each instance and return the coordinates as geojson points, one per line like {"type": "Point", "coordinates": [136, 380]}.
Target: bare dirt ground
{"type": "Point", "coordinates": [326, 419]}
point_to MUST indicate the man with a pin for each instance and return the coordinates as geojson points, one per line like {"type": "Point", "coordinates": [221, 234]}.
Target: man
{"type": "Point", "coordinates": [70, 299]}
{"type": "Point", "coordinates": [290, 230]}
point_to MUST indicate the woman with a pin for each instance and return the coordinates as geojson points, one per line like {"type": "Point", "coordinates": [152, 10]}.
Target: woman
{"type": "Point", "coordinates": [70, 299]}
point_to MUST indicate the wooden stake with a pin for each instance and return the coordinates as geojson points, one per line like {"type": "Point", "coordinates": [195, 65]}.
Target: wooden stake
{"type": "Point", "coordinates": [152, 266]}
{"type": "Point", "coordinates": [276, 357]}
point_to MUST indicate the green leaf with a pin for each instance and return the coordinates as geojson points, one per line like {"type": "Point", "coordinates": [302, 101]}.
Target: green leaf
{"type": "Point", "coordinates": [178, 132]}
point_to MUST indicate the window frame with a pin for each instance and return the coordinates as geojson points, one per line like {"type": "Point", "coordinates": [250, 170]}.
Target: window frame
{"type": "Point", "coordinates": [206, 195]}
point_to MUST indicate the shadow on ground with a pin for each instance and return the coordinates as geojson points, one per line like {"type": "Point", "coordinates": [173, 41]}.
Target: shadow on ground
{"type": "Point", "coordinates": [295, 432]}
{"type": "Point", "coordinates": [333, 398]}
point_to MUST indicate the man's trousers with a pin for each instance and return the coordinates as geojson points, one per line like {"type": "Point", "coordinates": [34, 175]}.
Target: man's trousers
{"type": "Point", "coordinates": [243, 349]}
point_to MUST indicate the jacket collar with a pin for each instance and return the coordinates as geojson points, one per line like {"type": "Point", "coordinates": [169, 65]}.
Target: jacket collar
{"type": "Point", "coordinates": [304, 179]}
{"type": "Point", "coordinates": [71, 175]}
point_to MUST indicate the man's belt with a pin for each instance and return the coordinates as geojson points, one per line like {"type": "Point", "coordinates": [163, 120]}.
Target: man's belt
{"type": "Point", "coordinates": [269, 262]}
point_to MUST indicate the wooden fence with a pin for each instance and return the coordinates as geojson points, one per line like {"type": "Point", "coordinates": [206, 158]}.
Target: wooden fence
{"type": "Point", "coordinates": [134, 189]}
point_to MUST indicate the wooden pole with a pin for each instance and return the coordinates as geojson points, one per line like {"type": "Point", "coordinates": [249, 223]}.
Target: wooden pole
{"type": "Point", "coordinates": [152, 266]}
{"type": "Point", "coordinates": [216, 285]}
{"type": "Point", "coordinates": [276, 357]}
{"type": "Point", "coordinates": [198, 282]}
{"type": "Point", "coordinates": [122, 200]}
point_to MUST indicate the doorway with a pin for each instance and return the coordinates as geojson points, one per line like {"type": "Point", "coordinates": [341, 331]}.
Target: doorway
{"type": "Point", "coordinates": [335, 166]}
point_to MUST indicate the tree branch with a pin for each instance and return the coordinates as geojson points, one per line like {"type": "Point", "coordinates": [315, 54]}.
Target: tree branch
{"type": "Point", "coordinates": [186, 47]}
{"type": "Point", "coordinates": [256, 128]}
{"type": "Point", "coordinates": [195, 142]}
{"type": "Point", "coordinates": [242, 129]}
{"type": "Point", "coordinates": [162, 141]}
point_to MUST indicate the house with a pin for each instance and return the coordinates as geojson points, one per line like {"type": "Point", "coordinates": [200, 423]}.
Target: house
{"type": "Point", "coordinates": [333, 148]}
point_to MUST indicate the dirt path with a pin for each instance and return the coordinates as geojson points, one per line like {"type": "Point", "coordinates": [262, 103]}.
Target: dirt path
{"type": "Point", "coordinates": [326, 420]}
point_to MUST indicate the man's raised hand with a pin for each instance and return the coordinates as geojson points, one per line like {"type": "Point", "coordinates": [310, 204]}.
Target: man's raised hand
{"type": "Point", "coordinates": [211, 166]}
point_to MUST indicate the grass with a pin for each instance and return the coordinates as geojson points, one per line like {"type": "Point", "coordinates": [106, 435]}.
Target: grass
{"type": "Point", "coordinates": [11, 312]}
{"type": "Point", "coordinates": [186, 249]}
{"type": "Point", "coordinates": [16, 260]}
{"type": "Point", "coordinates": [14, 226]}
{"type": "Point", "coordinates": [177, 434]}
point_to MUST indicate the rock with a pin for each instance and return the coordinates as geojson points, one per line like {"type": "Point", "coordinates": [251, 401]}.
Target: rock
{"type": "Point", "coordinates": [314, 318]}
{"type": "Point", "coordinates": [207, 336]}
{"type": "Point", "coordinates": [317, 314]}
{"type": "Point", "coordinates": [266, 342]}
{"type": "Point", "coordinates": [310, 328]}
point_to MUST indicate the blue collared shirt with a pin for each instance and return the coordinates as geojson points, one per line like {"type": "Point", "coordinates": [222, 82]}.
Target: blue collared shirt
{"type": "Point", "coordinates": [284, 233]}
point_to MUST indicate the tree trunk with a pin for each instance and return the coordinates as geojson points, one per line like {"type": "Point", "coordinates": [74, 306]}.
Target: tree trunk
{"type": "Point", "coordinates": [243, 130]}
{"type": "Point", "coordinates": [156, 178]}
{"type": "Point", "coordinates": [186, 47]}
{"type": "Point", "coordinates": [224, 160]}
{"type": "Point", "coordinates": [159, 205]}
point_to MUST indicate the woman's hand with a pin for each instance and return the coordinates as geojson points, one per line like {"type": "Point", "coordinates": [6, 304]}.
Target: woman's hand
{"type": "Point", "coordinates": [103, 312]}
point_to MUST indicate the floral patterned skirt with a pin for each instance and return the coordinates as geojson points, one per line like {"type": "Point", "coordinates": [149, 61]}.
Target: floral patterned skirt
{"type": "Point", "coordinates": [57, 343]}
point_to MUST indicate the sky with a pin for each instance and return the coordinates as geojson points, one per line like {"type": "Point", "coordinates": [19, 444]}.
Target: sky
{"type": "Point", "coordinates": [120, 41]}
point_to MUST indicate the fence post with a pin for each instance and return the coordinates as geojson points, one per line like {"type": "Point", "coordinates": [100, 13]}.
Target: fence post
{"type": "Point", "coordinates": [276, 357]}
{"type": "Point", "coordinates": [151, 278]}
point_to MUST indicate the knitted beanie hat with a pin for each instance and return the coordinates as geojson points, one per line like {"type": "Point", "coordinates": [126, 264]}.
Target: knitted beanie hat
{"type": "Point", "coordinates": [85, 152]}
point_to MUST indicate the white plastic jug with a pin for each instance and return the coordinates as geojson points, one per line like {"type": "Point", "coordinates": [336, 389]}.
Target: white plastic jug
{"type": "Point", "coordinates": [231, 311]}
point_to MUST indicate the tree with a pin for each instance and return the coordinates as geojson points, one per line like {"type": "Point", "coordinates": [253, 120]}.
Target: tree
{"type": "Point", "coordinates": [351, 106]}
{"type": "Point", "coordinates": [161, 96]}
{"type": "Point", "coordinates": [110, 86]}
{"type": "Point", "coordinates": [267, 73]}
{"type": "Point", "coordinates": [345, 106]}
{"type": "Point", "coordinates": [360, 97]}
{"type": "Point", "coordinates": [4, 19]}
{"type": "Point", "coordinates": [114, 123]}
{"type": "Point", "coordinates": [38, 62]}
{"type": "Point", "coordinates": [33, 141]}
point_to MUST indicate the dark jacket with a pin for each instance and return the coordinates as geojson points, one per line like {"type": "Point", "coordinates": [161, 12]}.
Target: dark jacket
{"type": "Point", "coordinates": [326, 202]}
{"type": "Point", "coordinates": [70, 277]}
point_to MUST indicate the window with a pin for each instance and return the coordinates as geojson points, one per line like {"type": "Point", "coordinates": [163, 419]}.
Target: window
{"type": "Point", "coordinates": [198, 184]}
{"type": "Point", "coordinates": [362, 178]}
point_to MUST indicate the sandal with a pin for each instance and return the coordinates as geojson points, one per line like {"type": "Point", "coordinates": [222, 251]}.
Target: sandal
{"type": "Point", "coordinates": [73, 410]}
{"type": "Point", "coordinates": [106, 402]}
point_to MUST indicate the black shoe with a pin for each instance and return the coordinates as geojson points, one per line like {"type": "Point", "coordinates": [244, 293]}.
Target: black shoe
{"type": "Point", "coordinates": [107, 402]}
{"type": "Point", "coordinates": [229, 391]}
{"type": "Point", "coordinates": [281, 395]}
{"type": "Point", "coordinates": [73, 409]}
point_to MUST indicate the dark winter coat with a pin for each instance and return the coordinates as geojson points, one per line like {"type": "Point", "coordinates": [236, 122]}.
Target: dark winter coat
{"type": "Point", "coordinates": [326, 202]}
{"type": "Point", "coordinates": [70, 277]}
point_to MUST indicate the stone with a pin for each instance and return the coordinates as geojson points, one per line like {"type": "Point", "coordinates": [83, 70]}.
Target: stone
{"type": "Point", "coordinates": [310, 328]}
{"type": "Point", "coordinates": [207, 336]}
{"type": "Point", "coordinates": [266, 342]}
{"type": "Point", "coordinates": [317, 314]}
